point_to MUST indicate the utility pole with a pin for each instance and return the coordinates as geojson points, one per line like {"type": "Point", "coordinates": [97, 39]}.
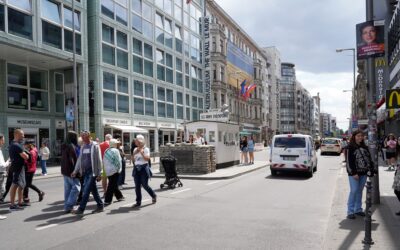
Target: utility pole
{"type": "Point", "coordinates": [76, 113]}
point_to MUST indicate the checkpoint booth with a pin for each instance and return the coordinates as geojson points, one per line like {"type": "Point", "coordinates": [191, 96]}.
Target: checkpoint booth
{"type": "Point", "coordinates": [224, 136]}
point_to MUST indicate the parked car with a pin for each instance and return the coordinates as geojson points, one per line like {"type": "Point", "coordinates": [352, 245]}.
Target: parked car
{"type": "Point", "coordinates": [293, 153]}
{"type": "Point", "coordinates": [331, 146]}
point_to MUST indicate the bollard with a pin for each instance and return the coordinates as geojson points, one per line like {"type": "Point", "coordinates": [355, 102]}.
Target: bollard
{"type": "Point", "coordinates": [368, 220]}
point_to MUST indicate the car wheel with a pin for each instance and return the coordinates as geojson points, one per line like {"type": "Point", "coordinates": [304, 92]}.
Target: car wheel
{"type": "Point", "coordinates": [310, 174]}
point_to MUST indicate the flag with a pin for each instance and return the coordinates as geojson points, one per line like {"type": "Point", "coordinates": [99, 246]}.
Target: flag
{"type": "Point", "coordinates": [249, 90]}
{"type": "Point", "coordinates": [243, 87]}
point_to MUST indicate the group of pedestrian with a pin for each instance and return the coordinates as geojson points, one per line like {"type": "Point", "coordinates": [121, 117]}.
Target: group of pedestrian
{"type": "Point", "coordinates": [247, 150]}
{"type": "Point", "coordinates": [16, 174]}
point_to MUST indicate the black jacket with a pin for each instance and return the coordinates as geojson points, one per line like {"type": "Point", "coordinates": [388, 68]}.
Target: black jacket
{"type": "Point", "coordinates": [359, 161]}
{"type": "Point", "coordinates": [68, 159]}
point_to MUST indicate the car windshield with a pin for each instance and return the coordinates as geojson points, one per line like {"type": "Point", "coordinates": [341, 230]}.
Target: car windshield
{"type": "Point", "coordinates": [330, 141]}
{"type": "Point", "coordinates": [290, 142]}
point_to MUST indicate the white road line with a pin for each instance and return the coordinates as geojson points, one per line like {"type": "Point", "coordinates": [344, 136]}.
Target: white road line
{"type": "Point", "coordinates": [181, 191]}
{"type": "Point", "coordinates": [212, 183]}
{"type": "Point", "coordinates": [131, 204]}
{"type": "Point", "coordinates": [46, 227]}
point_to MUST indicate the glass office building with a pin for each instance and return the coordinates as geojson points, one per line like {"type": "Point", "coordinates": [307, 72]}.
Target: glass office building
{"type": "Point", "coordinates": [36, 76]}
{"type": "Point", "coordinates": [145, 68]}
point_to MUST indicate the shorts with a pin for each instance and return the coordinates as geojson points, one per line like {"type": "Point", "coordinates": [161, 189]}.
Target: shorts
{"type": "Point", "coordinates": [251, 150]}
{"type": "Point", "coordinates": [18, 177]}
{"type": "Point", "coordinates": [244, 150]}
{"type": "Point", "coordinates": [390, 155]}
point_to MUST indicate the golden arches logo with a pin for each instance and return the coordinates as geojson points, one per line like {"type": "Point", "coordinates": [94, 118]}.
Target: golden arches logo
{"type": "Point", "coordinates": [390, 98]}
{"type": "Point", "coordinates": [381, 62]}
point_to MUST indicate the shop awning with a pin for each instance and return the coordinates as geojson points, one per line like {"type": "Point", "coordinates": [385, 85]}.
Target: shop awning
{"type": "Point", "coordinates": [129, 129]}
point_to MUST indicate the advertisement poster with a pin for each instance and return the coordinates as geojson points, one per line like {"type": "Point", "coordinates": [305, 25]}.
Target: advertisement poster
{"type": "Point", "coordinates": [370, 39]}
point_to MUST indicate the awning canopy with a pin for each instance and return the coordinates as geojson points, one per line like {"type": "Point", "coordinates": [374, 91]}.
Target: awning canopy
{"type": "Point", "coordinates": [129, 129]}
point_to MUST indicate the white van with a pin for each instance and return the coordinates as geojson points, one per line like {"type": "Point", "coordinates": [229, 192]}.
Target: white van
{"type": "Point", "coordinates": [294, 153]}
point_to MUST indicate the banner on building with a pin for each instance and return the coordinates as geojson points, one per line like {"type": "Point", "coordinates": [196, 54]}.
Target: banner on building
{"type": "Point", "coordinates": [370, 39]}
{"type": "Point", "coordinates": [238, 62]}
{"type": "Point", "coordinates": [207, 62]}
{"type": "Point", "coordinates": [381, 78]}
{"type": "Point", "coordinates": [392, 101]}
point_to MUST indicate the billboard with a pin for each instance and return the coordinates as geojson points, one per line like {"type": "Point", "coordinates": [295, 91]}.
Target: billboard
{"type": "Point", "coordinates": [238, 61]}
{"type": "Point", "coordinates": [207, 60]}
{"type": "Point", "coordinates": [370, 39]}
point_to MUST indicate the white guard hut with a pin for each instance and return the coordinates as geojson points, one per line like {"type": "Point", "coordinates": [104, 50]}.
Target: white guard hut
{"type": "Point", "coordinates": [224, 136]}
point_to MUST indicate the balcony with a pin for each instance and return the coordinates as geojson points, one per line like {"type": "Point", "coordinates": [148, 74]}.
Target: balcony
{"type": "Point", "coordinates": [215, 27]}
{"type": "Point", "coordinates": [218, 85]}
{"type": "Point", "coordinates": [217, 56]}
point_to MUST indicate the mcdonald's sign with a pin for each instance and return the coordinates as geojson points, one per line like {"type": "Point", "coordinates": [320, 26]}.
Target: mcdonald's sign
{"type": "Point", "coordinates": [392, 101]}
{"type": "Point", "coordinates": [381, 78]}
{"type": "Point", "coordinates": [380, 62]}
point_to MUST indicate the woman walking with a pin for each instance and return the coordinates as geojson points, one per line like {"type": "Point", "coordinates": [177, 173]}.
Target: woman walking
{"type": "Point", "coordinates": [141, 171]}
{"type": "Point", "coordinates": [44, 154]}
{"type": "Point", "coordinates": [391, 151]}
{"type": "Point", "coordinates": [30, 172]}
{"type": "Point", "coordinates": [250, 148]}
{"type": "Point", "coordinates": [243, 150]}
{"type": "Point", "coordinates": [113, 166]}
{"type": "Point", "coordinates": [359, 164]}
{"type": "Point", "coordinates": [72, 186]}
{"type": "Point", "coordinates": [396, 185]}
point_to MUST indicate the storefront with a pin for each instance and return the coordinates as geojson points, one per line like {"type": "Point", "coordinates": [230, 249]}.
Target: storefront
{"type": "Point", "coordinates": [167, 133]}
{"type": "Point", "coordinates": [250, 129]}
{"type": "Point", "coordinates": [152, 131]}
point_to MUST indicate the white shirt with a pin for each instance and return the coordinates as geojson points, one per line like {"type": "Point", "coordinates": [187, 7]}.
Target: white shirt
{"type": "Point", "coordinates": [3, 164]}
{"type": "Point", "coordinates": [199, 141]}
{"type": "Point", "coordinates": [139, 160]}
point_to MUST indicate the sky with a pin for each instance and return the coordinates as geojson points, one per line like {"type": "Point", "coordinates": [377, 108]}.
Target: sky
{"type": "Point", "coordinates": [307, 33]}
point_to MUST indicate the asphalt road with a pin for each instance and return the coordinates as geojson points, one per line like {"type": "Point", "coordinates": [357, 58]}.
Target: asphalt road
{"type": "Point", "coordinates": [253, 211]}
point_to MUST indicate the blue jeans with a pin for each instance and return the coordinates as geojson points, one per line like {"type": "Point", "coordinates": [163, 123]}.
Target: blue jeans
{"type": "Point", "coordinates": [43, 166]}
{"type": "Point", "coordinates": [356, 189]}
{"type": "Point", "coordinates": [72, 187]}
{"type": "Point", "coordinates": [89, 186]}
{"type": "Point", "coordinates": [141, 179]}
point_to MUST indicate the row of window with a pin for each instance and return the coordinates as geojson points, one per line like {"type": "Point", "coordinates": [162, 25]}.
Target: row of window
{"type": "Point", "coordinates": [116, 99]}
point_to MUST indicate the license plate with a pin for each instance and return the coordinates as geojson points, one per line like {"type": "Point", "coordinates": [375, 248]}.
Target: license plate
{"type": "Point", "coordinates": [289, 158]}
{"type": "Point", "coordinates": [330, 147]}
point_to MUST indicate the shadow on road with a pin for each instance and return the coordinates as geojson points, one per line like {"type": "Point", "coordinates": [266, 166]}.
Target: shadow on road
{"type": "Point", "coordinates": [288, 176]}
{"type": "Point", "coordinates": [121, 210]}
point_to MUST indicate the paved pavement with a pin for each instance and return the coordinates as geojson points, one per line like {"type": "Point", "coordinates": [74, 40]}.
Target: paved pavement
{"type": "Point", "coordinates": [348, 234]}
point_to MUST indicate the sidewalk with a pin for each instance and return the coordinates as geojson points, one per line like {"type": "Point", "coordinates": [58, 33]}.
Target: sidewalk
{"type": "Point", "coordinates": [343, 233]}
{"type": "Point", "coordinates": [220, 174]}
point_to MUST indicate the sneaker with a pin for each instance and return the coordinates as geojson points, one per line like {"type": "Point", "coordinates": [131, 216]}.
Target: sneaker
{"type": "Point", "coordinates": [24, 204]}
{"type": "Point", "coordinates": [351, 216]}
{"type": "Point", "coordinates": [98, 210]}
{"type": "Point", "coordinates": [77, 212]}
{"type": "Point", "coordinates": [121, 199]}
{"type": "Point", "coordinates": [154, 200]}
{"type": "Point", "coordinates": [16, 208]}
{"type": "Point", "coordinates": [362, 214]}
{"type": "Point", "coordinates": [137, 205]}
{"type": "Point", "coordinates": [68, 211]}
{"type": "Point", "coordinates": [41, 195]}
{"type": "Point", "coordinates": [107, 204]}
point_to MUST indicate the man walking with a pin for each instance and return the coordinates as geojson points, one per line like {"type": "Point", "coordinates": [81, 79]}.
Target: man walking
{"type": "Point", "coordinates": [3, 169]}
{"type": "Point", "coordinates": [89, 165]}
{"type": "Point", "coordinates": [18, 158]}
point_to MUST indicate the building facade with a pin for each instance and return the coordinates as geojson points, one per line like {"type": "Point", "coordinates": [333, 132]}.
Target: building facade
{"type": "Point", "coordinates": [36, 69]}
{"type": "Point", "coordinates": [304, 116]}
{"type": "Point", "coordinates": [235, 57]}
{"type": "Point", "coordinates": [316, 110]}
{"type": "Point", "coordinates": [146, 68]}
{"type": "Point", "coordinates": [287, 94]}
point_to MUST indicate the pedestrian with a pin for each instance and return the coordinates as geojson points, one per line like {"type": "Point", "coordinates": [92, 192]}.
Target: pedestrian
{"type": "Point", "coordinates": [121, 178]}
{"type": "Point", "coordinates": [4, 165]}
{"type": "Point", "coordinates": [396, 185]}
{"type": "Point", "coordinates": [72, 185]}
{"type": "Point", "coordinates": [391, 151]}
{"type": "Point", "coordinates": [243, 150]}
{"type": "Point", "coordinates": [359, 164]}
{"type": "Point", "coordinates": [199, 140]}
{"type": "Point", "coordinates": [30, 172]}
{"type": "Point", "coordinates": [344, 148]}
{"type": "Point", "coordinates": [78, 153]}
{"type": "Point", "coordinates": [113, 166]}
{"type": "Point", "coordinates": [141, 171]}
{"type": "Point", "coordinates": [103, 147]}
{"type": "Point", "coordinates": [381, 147]}
{"type": "Point", "coordinates": [89, 165]}
{"type": "Point", "coordinates": [18, 157]}
{"type": "Point", "coordinates": [191, 139]}
{"type": "Point", "coordinates": [44, 154]}
{"type": "Point", "coordinates": [250, 149]}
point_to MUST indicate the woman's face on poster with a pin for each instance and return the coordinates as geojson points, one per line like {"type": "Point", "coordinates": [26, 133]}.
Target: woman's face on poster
{"type": "Point", "coordinates": [369, 34]}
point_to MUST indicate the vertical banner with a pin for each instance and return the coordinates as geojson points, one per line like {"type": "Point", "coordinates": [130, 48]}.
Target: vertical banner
{"type": "Point", "coordinates": [370, 39]}
{"type": "Point", "coordinates": [381, 78]}
{"type": "Point", "coordinates": [207, 64]}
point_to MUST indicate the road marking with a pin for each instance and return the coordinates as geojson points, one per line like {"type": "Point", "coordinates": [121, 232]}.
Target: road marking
{"type": "Point", "coordinates": [181, 191]}
{"type": "Point", "coordinates": [212, 183]}
{"type": "Point", "coordinates": [131, 204]}
{"type": "Point", "coordinates": [46, 227]}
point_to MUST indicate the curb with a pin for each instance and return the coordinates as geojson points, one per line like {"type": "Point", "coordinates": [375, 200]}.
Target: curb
{"type": "Point", "coordinates": [227, 177]}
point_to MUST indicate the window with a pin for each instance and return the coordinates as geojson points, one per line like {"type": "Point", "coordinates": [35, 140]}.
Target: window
{"type": "Point", "coordinates": [165, 102]}
{"type": "Point", "coordinates": [164, 66]}
{"type": "Point", "coordinates": [2, 21]}
{"type": "Point", "coordinates": [196, 74]}
{"type": "Point", "coordinates": [115, 93]}
{"type": "Point", "coordinates": [59, 89]}
{"type": "Point", "coordinates": [178, 10]}
{"type": "Point", "coordinates": [115, 9]}
{"type": "Point", "coordinates": [20, 23]}
{"type": "Point", "coordinates": [179, 105]}
{"type": "Point", "coordinates": [143, 98]}
{"type": "Point", "coordinates": [24, 94]}
{"type": "Point", "coordinates": [178, 72]}
{"type": "Point", "coordinates": [114, 47]}
{"type": "Point", "coordinates": [141, 18]}
{"type": "Point", "coordinates": [164, 30]}
{"type": "Point", "coordinates": [142, 58]}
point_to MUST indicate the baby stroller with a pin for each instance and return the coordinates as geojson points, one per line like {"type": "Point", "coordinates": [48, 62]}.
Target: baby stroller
{"type": "Point", "coordinates": [171, 176]}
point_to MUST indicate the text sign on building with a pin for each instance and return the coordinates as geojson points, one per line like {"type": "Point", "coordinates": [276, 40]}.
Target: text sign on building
{"type": "Point", "coordinates": [381, 77]}
{"type": "Point", "coordinates": [214, 116]}
{"type": "Point", "coordinates": [115, 121]}
{"type": "Point", "coordinates": [393, 99]}
{"type": "Point", "coordinates": [207, 63]}
{"type": "Point", "coordinates": [26, 123]}
{"type": "Point", "coordinates": [144, 124]}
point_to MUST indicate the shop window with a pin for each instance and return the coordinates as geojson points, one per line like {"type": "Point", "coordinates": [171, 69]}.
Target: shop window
{"type": "Point", "coordinates": [19, 23]}
{"type": "Point", "coordinates": [2, 21]}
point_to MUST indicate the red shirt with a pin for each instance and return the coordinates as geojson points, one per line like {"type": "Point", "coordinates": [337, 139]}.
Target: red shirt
{"type": "Point", "coordinates": [31, 163]}
{"type": "Point", "coordinates": [103, 147]}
